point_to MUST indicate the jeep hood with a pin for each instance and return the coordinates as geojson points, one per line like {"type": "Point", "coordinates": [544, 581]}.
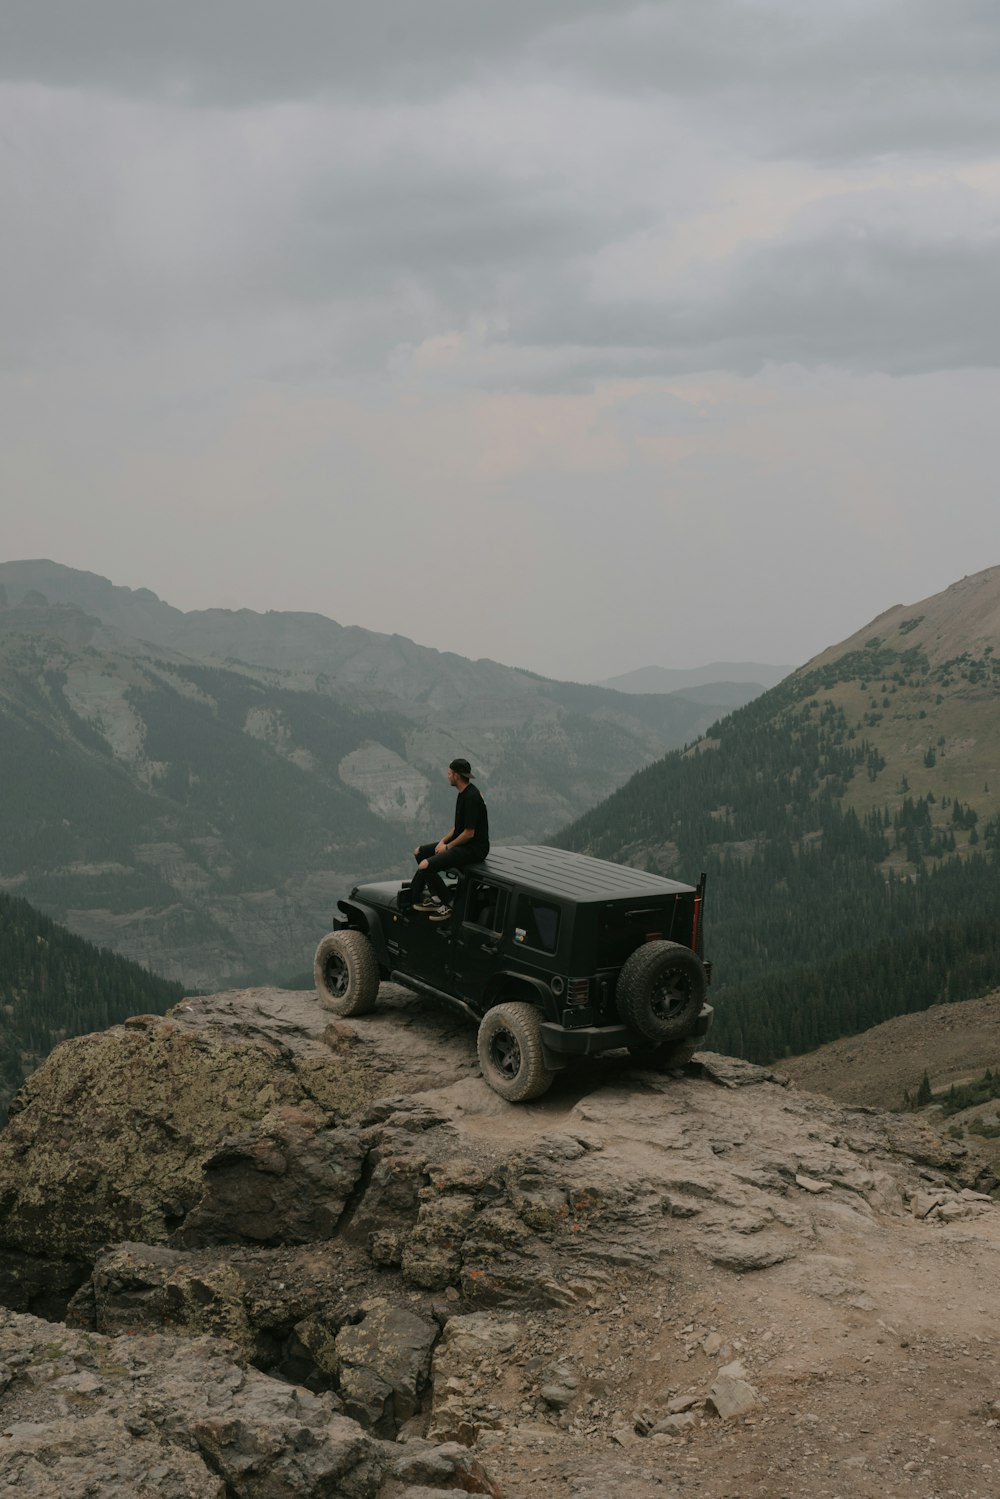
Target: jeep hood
{"type": "Point", "coordinates": [378, 893]}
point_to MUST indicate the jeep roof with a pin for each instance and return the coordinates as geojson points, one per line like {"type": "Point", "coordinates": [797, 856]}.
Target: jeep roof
{"type": "Point", "coordinates": [568, 876]}
{"type": "Point", "coordinates": [577, 877]}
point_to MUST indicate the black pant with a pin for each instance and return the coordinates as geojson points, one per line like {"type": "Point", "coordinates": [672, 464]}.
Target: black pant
{"type": "Point", "coordinates": [429, 879]}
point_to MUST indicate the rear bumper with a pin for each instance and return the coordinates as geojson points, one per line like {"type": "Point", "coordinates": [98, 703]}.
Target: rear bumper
{"type": "Point", "coordinates": [590, 1040]}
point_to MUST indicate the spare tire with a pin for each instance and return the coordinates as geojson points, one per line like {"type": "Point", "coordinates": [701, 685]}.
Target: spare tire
{"type": "Point", "coordinates": [661, 990]}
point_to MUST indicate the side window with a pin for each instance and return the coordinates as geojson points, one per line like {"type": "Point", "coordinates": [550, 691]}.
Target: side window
{"type": "Point", "coordinates": [536, 924]}
{"type": "Point", "coordinates": [486, 906]}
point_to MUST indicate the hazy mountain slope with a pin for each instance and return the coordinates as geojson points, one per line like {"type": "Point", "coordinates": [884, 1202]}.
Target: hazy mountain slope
{"type": "Point", "coordinates": [679, 679]}
{"type": "Point", "coordinates": [721, 695]}
{"type": "Point", "coordinates": [360, 666]}
{"type": "Point", "coordinates": [203, 814]}
{"type": "Point", "coordinates": [848, 822]}
{"type": "Point", "coordinates": [190, 817]}
{"type": "Point", "coordinates": [955, 1047]}
{"type": "Point", "coordinates": [951, 1043]}
{"type": "Point", "coordinates": [54, 984]}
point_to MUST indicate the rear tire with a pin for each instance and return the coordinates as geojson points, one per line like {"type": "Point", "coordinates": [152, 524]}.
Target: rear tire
{"type": "Point", "coordinates": [346, 973]}
{"type": "Point", "coordinates": [510, 1052]}
{"type": "Point", "coordinates": [661, 989]}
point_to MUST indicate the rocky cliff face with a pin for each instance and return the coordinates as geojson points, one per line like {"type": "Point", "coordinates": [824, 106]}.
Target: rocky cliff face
{"type": "Point", "coordinates": [285, 1257]}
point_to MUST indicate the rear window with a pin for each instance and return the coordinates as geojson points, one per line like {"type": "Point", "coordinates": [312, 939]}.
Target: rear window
{"type": "Point", "coordinates": [624, 929]}
{"type": "Point", "coordinates": [536, 924]}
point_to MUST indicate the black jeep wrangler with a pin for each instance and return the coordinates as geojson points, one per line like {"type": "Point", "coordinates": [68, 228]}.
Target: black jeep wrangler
{"type": "Point", "coordinates": [555, 955]}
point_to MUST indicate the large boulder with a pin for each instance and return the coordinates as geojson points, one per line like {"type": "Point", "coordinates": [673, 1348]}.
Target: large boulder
{"type": "Point", "coordinates": [118, 1128]}
{"type": "Point", "coordinates": [155, 1417]}
{"type": "Point", "coordinates": [384, 1365]}
{"type": "Point", "coordinates": [284, 1180]}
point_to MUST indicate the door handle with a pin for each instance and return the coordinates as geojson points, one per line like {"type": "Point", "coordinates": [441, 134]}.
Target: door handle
{"type": "Point", "coordinates": [489, 947]}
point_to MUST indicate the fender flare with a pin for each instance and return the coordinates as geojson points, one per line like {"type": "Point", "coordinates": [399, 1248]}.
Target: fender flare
{"type": "Point", "coordinates": [501, 983]}
{"type": "Point", "coordinates": [363, 918]}
{"type": "Point", "coordinates": [532, 991]}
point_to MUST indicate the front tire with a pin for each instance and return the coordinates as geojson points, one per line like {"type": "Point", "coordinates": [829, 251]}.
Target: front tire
{"type": "Point", "coordinates": [510, 1052]}
{"type": "Point", "coordinates": [661, 989]}
{"type": "Point", "coordinates": [346, 973]}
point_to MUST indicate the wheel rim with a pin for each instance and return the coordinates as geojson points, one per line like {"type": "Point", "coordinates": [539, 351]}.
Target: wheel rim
{"type": "Point", "coordinates": [671, 995]}
{"type": "Point", "coordinates": [335, 975]}
{"type": "Point", "coordinates": [505, 1054]}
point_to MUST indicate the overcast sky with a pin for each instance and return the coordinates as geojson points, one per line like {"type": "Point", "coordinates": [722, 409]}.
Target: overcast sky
{"type": "Point", "coordinates": [579, 334]}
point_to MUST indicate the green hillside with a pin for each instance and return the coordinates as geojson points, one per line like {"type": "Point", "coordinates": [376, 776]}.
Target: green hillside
{"type": "Point", "coordinates": [54, 985]}
{"type": "Point", "coordinates": [848, 822]}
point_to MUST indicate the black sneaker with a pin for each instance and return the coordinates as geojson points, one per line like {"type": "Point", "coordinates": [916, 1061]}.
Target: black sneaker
{"type": "Point", "coordinates": [429, 903]}
{"type": "Point", "coordinates": [442, 913]}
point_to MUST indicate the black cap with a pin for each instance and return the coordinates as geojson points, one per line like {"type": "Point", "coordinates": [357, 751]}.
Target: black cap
{"type": "Point", "coordinates": [461, 768]}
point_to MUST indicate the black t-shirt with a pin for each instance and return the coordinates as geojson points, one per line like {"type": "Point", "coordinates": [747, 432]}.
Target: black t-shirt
{"type": "Point", "coordinates": [470, 812]}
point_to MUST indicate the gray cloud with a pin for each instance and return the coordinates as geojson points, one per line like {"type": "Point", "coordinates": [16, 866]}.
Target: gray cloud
{"type": "Point", "coordinates": [252, 51]}
{"type": "Point", "coordinates": [596, 270]}
{"type": "Point", "coordinates": [454, 230]}
{"type": "Point", "coordinates": [857, 301]}
{"type": "Point", "coordinates": [810, 81]}
{"type": "Point", "coordinates": [822, 82]}
{"type": "Point", "coordinates": [135, 223]}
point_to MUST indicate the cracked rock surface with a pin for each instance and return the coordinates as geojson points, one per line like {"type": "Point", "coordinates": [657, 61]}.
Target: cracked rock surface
{"type": "Point", "coordinates": [707, 1282]}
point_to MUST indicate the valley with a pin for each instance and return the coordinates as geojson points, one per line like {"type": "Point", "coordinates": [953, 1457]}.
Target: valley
{"type": "Point", "coordinates": [200, 811]}
{"type": "Point", "coordinates": [196, 790]}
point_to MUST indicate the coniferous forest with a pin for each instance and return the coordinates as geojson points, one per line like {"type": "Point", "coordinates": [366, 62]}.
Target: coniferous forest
{"type": "Point", "coordinates": [54, 985]}
{"type": "Point", "coordinates": [820, 922]}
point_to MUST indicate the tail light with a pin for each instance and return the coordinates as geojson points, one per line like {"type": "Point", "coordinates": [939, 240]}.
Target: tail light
{"type": "Point", "coordinates": [578, 991]}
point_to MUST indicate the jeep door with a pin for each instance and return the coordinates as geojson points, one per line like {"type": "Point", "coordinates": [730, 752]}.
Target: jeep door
{"type": "Point", "coordinates": [477, 937]}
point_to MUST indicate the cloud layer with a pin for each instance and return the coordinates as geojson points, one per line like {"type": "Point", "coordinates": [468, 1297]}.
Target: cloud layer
{"type": "Point", "coordinates": [336, 233]}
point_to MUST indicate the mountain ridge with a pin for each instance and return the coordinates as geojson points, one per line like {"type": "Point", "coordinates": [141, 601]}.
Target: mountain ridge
{"type": "Point", "coordinates": [675, 679]}
{"type": "Point", "coordinates": [849, 819]}
{"type": "Point", "coordinates": [228, 775]}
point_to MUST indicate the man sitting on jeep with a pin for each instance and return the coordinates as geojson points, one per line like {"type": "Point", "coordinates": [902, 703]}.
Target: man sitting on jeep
{"type": "Point", "coordinates": [467, 843]}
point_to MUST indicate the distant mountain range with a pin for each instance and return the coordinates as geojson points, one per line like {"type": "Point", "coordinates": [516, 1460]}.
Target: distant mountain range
{"type": "Point", "coordinates": [747, 677]}
{"type": "Point", "coordinates": [197, 789]}
{"type": "Point", "coordinates": [849, 821]}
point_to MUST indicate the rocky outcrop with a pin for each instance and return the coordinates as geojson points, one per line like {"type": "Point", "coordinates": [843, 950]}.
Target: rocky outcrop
{"type": "Point", "coordinates": [346, 1212]}
{"type": "Point", "coordinates": [161, 1097]}
{"type": "Point", "coordinates": [169, 1418]}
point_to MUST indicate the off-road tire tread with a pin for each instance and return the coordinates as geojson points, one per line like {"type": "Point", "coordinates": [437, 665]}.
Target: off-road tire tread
{"type": "Point", "coordinates": [637, 981]}
{"type": "Point", "coordinates": [362, 969]}
{"type": "Point", "coordinates": [533, 1078]}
